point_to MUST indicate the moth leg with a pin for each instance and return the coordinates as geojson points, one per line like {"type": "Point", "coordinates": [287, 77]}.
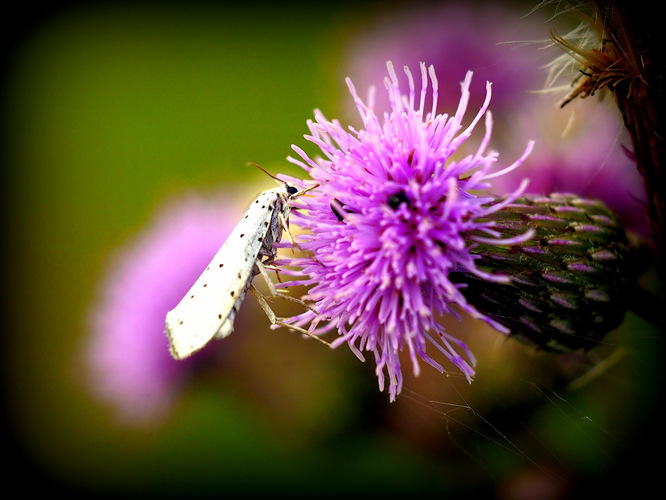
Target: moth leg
{"type": "Point", "coordinates": [278, 321]}
{"type": "Point", "coordinates": [285, 227]}
{"type": "Point", "coordinates": [275, 270]}
{"type": "Point", "coordinates": [278, 293]}
{"type": "Point", "coordinates": [264, 274]}
{"type": "Point", "coordinates": [283, 295]}
{"type": "Point", "coordinates": [290, 237]}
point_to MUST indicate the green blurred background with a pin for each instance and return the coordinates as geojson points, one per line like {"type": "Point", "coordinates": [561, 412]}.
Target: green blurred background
{"type": "Point", "coordinates": [108, 109]}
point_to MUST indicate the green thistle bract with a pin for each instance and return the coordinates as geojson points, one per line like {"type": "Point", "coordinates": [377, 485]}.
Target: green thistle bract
{"type": "Point", "coordinates": [567, 283]}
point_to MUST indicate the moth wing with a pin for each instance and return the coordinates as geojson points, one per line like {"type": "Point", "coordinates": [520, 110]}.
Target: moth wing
{"type": "Point", "coordinates": [216, 295]}
{"type": "Point", "coordinates": [271, 222]}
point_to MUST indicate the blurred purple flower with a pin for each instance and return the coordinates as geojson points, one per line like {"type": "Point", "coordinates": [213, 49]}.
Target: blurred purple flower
{"type": "Point", "coordinates": [488, 39]}
{"type": "Point", "coordinates": [578, 149]}
{"type": "Point", "coordinates": [128, 352]}
{"type": "Point", "coordinates": [389, 222]}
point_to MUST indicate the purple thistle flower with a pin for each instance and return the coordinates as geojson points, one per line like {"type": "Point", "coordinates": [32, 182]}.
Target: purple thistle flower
{"type": "Point", "coordinates": [127, 351]}
{"type": "Point", "coordinates": [389, 223]}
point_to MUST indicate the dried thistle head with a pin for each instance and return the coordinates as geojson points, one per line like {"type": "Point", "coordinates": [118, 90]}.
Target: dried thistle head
{"type": "Point", "coordinates": [601, 50]}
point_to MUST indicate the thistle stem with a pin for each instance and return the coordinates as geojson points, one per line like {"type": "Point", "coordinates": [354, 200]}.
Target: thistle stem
{"type": "Point", "coordinates": [630, 26]}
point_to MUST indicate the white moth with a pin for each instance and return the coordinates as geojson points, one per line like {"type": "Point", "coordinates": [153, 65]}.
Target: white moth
{"type": "Point", "coordinates": [208, 310]}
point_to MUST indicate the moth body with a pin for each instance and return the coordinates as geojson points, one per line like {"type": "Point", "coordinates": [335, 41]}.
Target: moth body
{"type": "Point", "coordinates": [209, 308]}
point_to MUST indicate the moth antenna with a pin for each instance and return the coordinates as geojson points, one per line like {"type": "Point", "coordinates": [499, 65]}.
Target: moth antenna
{"type": "Point", "coordinates": [252, 164]}
{"type": "Point", "coordinates": [303, 191]}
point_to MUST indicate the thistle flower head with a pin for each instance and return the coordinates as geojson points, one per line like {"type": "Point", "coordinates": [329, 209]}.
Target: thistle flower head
{"type": "Point", "coordinates": [389, 222]}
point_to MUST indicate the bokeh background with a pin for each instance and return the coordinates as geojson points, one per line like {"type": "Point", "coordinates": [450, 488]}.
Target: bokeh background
{"type": "Point", "coordinates": [116, 118]}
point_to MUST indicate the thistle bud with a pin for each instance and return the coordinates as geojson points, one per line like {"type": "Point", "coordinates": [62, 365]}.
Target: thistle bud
{"type": "Point", "coordinates": [567, 285]}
